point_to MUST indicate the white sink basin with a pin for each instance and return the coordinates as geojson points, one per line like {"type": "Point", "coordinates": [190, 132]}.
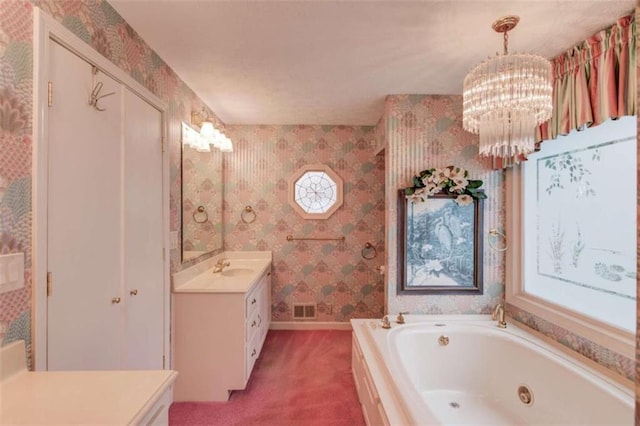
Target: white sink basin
{"type": "Point", "coordinates": [236, 272]}
{"type": "Point", "coordinates": [238, 277]}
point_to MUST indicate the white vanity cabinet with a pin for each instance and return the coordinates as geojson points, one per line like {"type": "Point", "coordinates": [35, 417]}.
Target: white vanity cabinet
{"type": "Point", "coordinates": [140, 397]}
{"type": "Point", "coordinates": [219, 333]}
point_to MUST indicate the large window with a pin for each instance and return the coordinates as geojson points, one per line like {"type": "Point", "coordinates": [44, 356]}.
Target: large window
{"type": "Point", "coordinates": [576, 213]}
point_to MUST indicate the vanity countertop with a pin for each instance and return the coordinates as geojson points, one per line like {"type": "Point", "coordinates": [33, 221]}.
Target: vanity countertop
{"type": "Point", "coordinates": [81, 397]}
{"type": "Point", "coordinates": [240, 276]}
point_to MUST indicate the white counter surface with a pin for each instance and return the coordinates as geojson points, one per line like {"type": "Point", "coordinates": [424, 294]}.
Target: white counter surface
{"type": "Point", "coordinates": [80, 397]}
{"type": "Point", "coordinates": [250, 266]}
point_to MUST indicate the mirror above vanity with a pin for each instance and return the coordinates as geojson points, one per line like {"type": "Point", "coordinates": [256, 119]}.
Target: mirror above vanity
{"type": "Point", "coordinates": [201, 197]}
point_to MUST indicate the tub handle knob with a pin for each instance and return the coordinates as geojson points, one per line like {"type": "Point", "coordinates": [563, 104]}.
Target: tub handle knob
{"type": "Point", "coordinates": [400, 319]}
{"type": "Point", "coordinates": [385, 322]}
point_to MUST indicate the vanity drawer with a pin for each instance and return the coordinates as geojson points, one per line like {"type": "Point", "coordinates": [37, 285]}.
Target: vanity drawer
{"type": "Point", "coordinates": [252, 325]}
{"type": "Point", "coordinates": [252, 354]}
{"type": "Point", "coordinates": [252, 301]}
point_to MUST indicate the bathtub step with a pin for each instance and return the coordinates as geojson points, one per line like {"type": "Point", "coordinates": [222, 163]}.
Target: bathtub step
{"type": "Point", "coordinates": [455, 407]}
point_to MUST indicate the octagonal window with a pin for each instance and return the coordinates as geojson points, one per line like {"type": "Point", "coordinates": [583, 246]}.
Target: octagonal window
{"type": "Point", "coordinates": [316, 192]}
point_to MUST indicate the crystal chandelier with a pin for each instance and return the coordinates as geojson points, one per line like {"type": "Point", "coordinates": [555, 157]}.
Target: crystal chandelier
{"type": "Point", "coordinates": [506, 97]}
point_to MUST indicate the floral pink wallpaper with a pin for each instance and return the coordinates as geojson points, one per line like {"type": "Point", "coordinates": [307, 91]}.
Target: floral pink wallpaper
{"type": "Point", "coordinates": [97, 23]}
{"type": "Point", "coordinates": [331, 274]}
{"type": "Point", "coordinates": [424, 131]}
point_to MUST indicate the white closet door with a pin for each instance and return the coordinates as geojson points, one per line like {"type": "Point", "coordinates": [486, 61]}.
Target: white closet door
{"type": "Point", "coordinates": [84, 220]}
{"type": "Point", "coordinates": [143, 243]}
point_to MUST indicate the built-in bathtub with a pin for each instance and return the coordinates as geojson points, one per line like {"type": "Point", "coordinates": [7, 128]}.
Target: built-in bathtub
{"type": "Point", "coordinates": [445, 370]}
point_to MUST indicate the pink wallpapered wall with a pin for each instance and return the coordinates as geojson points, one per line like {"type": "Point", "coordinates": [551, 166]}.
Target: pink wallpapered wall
{"type": "Point", "coordinates": [424, 131]}
{"type": "Point", "coordinates": [332, 274]}
{"type": "Point", "coordinates": [96, 23]}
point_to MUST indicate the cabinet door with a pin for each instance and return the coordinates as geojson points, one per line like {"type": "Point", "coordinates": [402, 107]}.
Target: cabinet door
{"type": "Point", "coordinates": [143, 238]}
{"type": "Point", "coordinates": [84, 222]}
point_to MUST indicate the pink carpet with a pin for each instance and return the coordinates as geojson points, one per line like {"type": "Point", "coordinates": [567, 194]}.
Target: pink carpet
{"type": "Point", "coordinates": [301, 378]}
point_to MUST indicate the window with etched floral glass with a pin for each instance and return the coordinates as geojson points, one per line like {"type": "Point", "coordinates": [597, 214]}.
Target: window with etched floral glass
{"type": "Point", "coordinates": [579, 222]}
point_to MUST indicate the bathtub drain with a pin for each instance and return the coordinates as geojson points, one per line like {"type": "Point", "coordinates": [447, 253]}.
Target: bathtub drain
{"type": "Point", "coordinates": [525, 395]}
{"type": "Point", "coordinates": [454, 404]}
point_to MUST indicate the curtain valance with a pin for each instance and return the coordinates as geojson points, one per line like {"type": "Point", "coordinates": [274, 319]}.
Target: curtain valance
{"type": "Point", "coordinates": [592, 82]}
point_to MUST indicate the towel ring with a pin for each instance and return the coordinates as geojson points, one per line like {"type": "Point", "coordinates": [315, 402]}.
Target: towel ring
{"type": "Point", "coordinates": [248, 210]}
{"type": "Point", "coordinates": [368, 247]}
{"type": "Point", "coordinates": [202, 210]}
{"type": "Point", "coordinates": [495, 233]}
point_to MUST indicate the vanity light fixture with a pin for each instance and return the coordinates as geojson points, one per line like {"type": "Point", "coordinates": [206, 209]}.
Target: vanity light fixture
{"type": "Point", "coordinates": [506, 97]}
{"type": "Point", "coordinates": [208, 134]}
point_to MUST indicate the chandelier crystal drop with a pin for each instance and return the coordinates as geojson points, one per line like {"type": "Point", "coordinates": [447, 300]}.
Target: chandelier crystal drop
{"type": "Point", "coordinates": [506, 97]}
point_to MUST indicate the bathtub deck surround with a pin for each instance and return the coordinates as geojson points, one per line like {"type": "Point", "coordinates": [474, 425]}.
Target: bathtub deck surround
{"type": "Point", "coordinates": [222, 312]}
{"type": "Point", "coordinates": [477, 373]}
{"type": "Point", "coordinates": [81, 397]}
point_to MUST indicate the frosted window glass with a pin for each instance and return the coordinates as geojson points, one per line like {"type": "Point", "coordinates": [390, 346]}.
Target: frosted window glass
{"type": "Point", "coordinates": [579, 222]}
{"type": "Point", "coordinates": [315, 192]}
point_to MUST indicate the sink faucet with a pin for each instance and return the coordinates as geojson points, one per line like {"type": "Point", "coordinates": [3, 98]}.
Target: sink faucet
{"type": "Point", "coordinates": [498, 314]}
{"type": "Point", "coordinates": [222, 263]}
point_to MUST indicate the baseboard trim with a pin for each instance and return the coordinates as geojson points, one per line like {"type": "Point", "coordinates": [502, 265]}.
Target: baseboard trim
{"type": "Point", "coordinates": [309, 325]}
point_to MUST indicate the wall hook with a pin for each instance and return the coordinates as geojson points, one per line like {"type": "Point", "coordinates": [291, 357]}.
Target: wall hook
{"type": "Point", "coordinates": [95, 93]}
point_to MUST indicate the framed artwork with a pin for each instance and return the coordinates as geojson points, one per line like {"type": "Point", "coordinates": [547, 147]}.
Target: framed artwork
{"type": "Point", "coordinates": [440, 248]}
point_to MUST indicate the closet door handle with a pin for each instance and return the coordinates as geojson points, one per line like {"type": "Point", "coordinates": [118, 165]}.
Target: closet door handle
{"type": "Point", "coordinates": [253, 353]}
{"type": "Point", "coordinates": [253, 302]}
{"type": "Point", "coordinates": [134, 292]}
{"type": "Point", "coordinates": [115, 300]}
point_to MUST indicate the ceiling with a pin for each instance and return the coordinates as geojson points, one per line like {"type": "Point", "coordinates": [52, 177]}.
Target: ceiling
{"type": "Point", "coordinates": [333, 62]}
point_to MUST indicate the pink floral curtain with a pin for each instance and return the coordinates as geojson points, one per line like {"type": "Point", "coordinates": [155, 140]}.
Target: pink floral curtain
{"type": "Point", "coordinates": [592, 82]}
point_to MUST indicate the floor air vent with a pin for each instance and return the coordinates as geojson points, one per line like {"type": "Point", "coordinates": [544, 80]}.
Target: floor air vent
{"type": "Point", "coordinates": [304, 311]}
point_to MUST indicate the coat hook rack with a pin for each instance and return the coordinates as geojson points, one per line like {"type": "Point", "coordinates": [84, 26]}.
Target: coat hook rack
{"type": "Point", "coordinates": [95, 93]}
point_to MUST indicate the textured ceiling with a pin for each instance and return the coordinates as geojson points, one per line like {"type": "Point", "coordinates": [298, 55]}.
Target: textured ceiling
{"type": "Point", "coordinates": [333, 62]}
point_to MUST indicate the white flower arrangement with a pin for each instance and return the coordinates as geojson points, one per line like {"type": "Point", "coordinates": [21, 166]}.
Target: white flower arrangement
{"type": "Point", "coordinates": [450, 180]}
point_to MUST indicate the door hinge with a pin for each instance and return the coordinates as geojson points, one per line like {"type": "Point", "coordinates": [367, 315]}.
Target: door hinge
{"type": "Point", "coordinates": [49, 279]}
{"type": "Point", "coordinates": [163, 362]}
{"type": "Point", "coordinates": [162, 142]}
{"type": "Point", "coordinates": [50, 93]}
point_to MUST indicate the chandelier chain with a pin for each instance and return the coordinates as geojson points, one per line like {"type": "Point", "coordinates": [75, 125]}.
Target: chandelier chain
{"type": "Point", "coordinates": [506, 42]}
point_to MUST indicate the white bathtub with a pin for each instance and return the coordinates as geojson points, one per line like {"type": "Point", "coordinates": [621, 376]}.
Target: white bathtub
{"type": "Point", "coordinates": [405, 376]}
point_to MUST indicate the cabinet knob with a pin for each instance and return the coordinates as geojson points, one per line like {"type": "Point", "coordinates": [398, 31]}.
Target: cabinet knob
{"type": "Point", "coordinates": [115, 300]}
{"type": "Point", "coordinates": [134, 292]}
{"type": "Point", "coordinates": [253, 353]}
{"type": "Point", "coordinates": [253, 302]}
{"type": "Point", "coordinates": [253, 324]}
{"type": "Point", "coordinates": [268, 274]}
